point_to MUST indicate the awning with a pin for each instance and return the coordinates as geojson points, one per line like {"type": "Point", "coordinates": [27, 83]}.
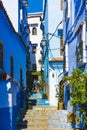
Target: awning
{"type": "Point", "coordinates": [56, 59]}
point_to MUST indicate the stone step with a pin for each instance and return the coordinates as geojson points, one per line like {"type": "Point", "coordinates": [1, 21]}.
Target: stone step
{"type": "Point", "coordinates": [52, 125]}
{"type": "Point", "coordinates": [47, 119]}
{"type": "Point", "coordinates": [44, 108]}
{"type": "Point", "coordinates": [46, 123]}
{"type": "Point", "coordinates": [46, 115]}
{"type": "Point", "coordinates": [53, 114]}
{"type": "Point", "coordinates": [42, 118]}
{"type": "Point", "coordinates": [58, 120]}
{"type": "Point", "coordinates": [59, 125]}
{"type": "Point", "coordinates": [30, 128]}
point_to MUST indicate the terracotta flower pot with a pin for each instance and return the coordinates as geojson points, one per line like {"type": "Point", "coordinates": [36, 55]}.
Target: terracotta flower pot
{"type": "Point", "coordinates": [60, 106]}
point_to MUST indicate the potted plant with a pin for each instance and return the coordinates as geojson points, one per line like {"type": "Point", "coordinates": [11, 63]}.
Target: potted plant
{"type": "Point", "coordinates": [60, 96]}
{"type": "Point", "coordinates": [44, 95]}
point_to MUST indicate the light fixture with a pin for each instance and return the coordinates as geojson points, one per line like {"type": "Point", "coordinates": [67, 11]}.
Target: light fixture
{"type": "Point", "coordinates": [43, 42]}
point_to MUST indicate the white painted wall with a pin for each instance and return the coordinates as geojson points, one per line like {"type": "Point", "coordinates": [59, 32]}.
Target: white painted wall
{"type": "Point", "coordinates": [52, 89]}
{"type": "Point", "coordinates": [35, 39]}
{"type": "Point", "coordinates": [53, 18]}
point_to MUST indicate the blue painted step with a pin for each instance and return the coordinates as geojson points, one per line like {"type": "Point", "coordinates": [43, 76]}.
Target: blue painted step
{"type": "Point", "coordinates": [37, 97]}
{"type": "Point", "coordinates": [43, 102]}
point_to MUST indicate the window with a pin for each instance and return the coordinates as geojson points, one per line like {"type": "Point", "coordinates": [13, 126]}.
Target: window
{"type": "Point", "coordinates": [21, 14]}
{"type": "Point", "coordinates": [67, 9]}
{"type": "Point", "coordinates": [65, 58]}
{"type": "Point", "coordinates": [61, 45]}
{"type": "Point", "coordinates": [1, 55]}
{"type": "Point", "coordinates": [80, 52]}
{"type": "Point", "coordinates": [80, 44]}
{"type": "Point", "coordinates": [61, 4]}
{"type": "Point", "coordinates": [60, 34]}
{"type": "Point", "coordinates": [11, 66]}
{"type": "Point", "coordinates": [33, 49]}
{"type": "Point", "coordinates": [21, 76]}
{"type": "Point", "coordinates": [86, 8]}
{"type": "Point", "coordinates": [64, 61]}
{"type": "Point", "coordinates": [68, 15]}
{"type": "Point", "coordinates": [34, 67]}
{"type": "Point", "coordinates": [34, 31]}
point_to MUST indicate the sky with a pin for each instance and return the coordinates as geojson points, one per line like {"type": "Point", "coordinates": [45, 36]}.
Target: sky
{"type": "Point", "coordinates": [35, 6]}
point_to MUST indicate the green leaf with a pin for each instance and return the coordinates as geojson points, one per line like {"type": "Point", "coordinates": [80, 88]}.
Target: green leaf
{"type": "Point", "coordinates": [78, 85]}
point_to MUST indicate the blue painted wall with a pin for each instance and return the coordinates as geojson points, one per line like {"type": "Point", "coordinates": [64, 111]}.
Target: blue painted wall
{"type": "Point", "coordinates": [23, 27]}
{"type": "Point", "coordinates": [8, 107]}
{"type": "Point", "coordinates": [13, 46]}
{"type": "Point", "coordinates": [72, 25]}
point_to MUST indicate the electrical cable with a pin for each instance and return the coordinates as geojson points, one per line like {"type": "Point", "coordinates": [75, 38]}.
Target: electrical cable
{"type": "Point", "coordinates": [53, 57]}
{"type": "Point", "coordinates": [55, 31]}
{"type": "Point", "coordinates": [55, 49]}
{"type": "Point", "coordinates": [52, 37]}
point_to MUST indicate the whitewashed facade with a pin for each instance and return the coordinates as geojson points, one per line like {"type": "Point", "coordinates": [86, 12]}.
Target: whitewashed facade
{"type": "Point", "coordinates": [35, 40]}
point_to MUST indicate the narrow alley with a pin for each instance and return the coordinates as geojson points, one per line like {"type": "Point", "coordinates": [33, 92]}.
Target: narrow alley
{"type": "Point", "coordinates": [43, 64]}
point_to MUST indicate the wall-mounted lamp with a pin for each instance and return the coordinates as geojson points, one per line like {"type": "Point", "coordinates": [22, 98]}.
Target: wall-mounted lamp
{"type": "Point", "coordinates": [43, 42]}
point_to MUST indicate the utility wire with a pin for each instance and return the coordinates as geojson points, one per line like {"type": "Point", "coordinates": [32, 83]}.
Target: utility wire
{"type": "Point", "coordinates": [53, 58]}
{"type": "Point", "coordinates": [55, 31]}
{"type": "Point", "coordinates": [55, 49]}
{"type": "Point", "coordinates": [52, 37]}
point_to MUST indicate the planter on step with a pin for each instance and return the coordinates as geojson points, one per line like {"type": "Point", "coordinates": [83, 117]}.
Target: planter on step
{"type": "Point", "coordinates": [60, 106]}
{"type": "Point", "coordinates": [44, 95]}
{"type": "Point", "coordinates": [71, 117]}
